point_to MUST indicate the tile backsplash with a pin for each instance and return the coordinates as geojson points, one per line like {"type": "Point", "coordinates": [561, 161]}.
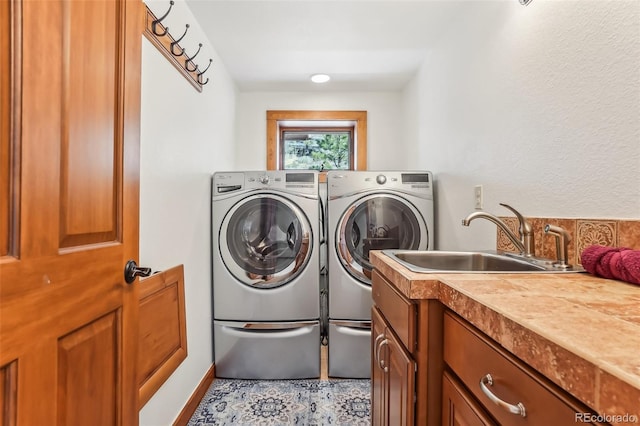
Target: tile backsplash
{"type": "Point", "coordinates": [584, 232]}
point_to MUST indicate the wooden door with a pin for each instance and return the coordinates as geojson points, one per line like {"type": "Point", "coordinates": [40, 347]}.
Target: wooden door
{"type": "Point", "coordinates": [69, 211]}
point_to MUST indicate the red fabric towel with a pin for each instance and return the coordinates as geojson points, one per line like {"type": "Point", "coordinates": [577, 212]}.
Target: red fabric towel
{"type": "Point", "coordinates": [612, 262]}
{"type": "Point", "coordinates": [616, 268]}
{"type": "Point", "coordinates": [631, 261]}
{"type": "Point", "coordinates": [590, 257]}
{"type": "Point", "coordinates": [603, 267]}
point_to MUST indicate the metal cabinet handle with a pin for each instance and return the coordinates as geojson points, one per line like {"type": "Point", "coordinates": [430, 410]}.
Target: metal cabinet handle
{"type": "Point", "coordinates": [381, 363]}
{"type": "Point", "coordinates": [513, 409]}
{"type": "Point", "coordinates": [375, 345]}
{"type": "Point", "coordinates": [260, 334]}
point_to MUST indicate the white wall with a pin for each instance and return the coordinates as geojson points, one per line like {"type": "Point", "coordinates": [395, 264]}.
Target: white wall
{"type": "Point", "coordinates": [384, 123]}
{"type": "Point", "coordinates": [539, 104]}
{"type": "Point", "coordinates": [185, 137]}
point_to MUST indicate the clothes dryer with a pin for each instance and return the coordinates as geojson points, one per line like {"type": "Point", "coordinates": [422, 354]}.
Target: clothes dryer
{"type": "Point", "coordinates": [368, 210]}
{"type": "Point", "coordinates": [266, 291]}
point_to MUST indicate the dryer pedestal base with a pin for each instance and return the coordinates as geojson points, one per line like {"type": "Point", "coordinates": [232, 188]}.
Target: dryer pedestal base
{"type": "Point", "coordinates": [349, 349]}
{"type": "Point", "coordinates": [268, 352]}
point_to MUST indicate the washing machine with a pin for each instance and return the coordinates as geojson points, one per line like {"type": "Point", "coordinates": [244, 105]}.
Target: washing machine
{"type": "Point", "coordinates": [266, 291]}
{"type": "Point", "coordinates": [368, 210]}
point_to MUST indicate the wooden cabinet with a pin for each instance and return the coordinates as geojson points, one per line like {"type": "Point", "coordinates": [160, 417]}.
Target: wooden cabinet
{"type": "Point", "coordinates": [509, 390]}
{"type": "Point", "coordinates": [393, 376]}
{"type": "Point", "coordinates": [406, 362]}
{"type": "Point", "coordinates": [432, 367]}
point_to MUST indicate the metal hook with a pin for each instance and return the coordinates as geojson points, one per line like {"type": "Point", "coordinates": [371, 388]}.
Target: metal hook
{"type": "Point", "coordinates": [188, 60]}
{"type": "Point", "coordinates": [202, 72]}
{"type": "Point", "coordinates": [159, 20]}
{"type": "Point", "coordinates": [174, 43]}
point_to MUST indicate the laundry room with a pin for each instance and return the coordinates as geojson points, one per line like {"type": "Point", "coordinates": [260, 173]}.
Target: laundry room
{"type": "Point", "coordinates": [500, 133]}
{"type": "Point", "coordinates": [509, 97]}
{"type": "Point", "coordinates": [533, 103]}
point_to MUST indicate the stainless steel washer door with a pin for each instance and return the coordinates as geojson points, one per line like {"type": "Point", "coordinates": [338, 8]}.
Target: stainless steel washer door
{"type": "Point", "coordinates": [265, 241]}
{"type": "Point", "coordinates": [376, 222]}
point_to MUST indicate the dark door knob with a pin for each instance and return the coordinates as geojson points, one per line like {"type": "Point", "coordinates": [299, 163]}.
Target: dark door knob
{"type": "Point", "coordinates": [132, 270]}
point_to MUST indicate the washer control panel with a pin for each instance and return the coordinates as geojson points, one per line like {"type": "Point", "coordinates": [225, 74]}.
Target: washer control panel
{"type": "Point", "coordinates": [347, 182]}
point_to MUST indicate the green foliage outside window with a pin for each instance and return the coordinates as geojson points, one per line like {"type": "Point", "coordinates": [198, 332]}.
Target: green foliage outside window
{"type": "Point", "coordinates": [316, 151]}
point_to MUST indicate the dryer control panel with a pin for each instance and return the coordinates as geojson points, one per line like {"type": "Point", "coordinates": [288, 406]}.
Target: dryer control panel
{"type": "Point", "coordinates": [301, 182]}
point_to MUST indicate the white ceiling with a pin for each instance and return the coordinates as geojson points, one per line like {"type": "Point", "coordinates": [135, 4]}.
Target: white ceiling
{"type": "Point", "coordinates": [365, 45]}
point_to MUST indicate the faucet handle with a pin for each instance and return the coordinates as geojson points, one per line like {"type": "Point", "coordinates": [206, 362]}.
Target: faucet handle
{"type": "Point", "coordinates": [525, 230]}
{"type": "Point", "coordinates": [524, 225]}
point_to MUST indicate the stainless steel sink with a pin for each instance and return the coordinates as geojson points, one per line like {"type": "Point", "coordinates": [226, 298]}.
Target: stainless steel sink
{"type": "Point", "coordinates": [436, 261]}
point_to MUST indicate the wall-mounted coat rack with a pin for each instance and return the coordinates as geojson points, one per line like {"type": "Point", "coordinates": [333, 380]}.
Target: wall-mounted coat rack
{"type": "Point", "coordinates": [170, 47]}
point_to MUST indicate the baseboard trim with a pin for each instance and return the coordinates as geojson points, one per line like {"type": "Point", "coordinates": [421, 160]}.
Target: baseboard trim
{"type": "Point", "coordinates": [191, 406]}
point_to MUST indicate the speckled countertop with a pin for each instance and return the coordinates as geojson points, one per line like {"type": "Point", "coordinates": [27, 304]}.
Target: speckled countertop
{"type": "Point", "coordinates": [581, 332]}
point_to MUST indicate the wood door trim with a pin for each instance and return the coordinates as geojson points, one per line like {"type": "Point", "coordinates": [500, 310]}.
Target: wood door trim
{"type": "Point", "coordinates": [130, 86]}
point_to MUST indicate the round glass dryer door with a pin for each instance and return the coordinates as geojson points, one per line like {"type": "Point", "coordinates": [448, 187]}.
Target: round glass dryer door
{"type": "Point", "coordinates": [265, 241]}
{"type": "Point", "coordinates": [377, 222]}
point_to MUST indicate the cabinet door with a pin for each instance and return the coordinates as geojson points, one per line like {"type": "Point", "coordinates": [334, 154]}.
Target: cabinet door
{"type": "Point", "coordinates": [458, 407]}
{"type": "Point", "coordinates": [378, 382]}
{"type": "Point", "coordinates": [392, 376]}
{"type": "Point", "coordinates": [400, 375]}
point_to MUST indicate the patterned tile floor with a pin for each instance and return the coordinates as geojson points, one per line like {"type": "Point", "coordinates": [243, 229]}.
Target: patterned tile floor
{"type": "Point", "coordinates": [285, 402]}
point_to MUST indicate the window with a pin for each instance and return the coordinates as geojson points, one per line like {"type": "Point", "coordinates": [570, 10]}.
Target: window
{"type": "Point", "coordinates": [316, 148]}
{"type": "Point", "coordinates": [317, 140]}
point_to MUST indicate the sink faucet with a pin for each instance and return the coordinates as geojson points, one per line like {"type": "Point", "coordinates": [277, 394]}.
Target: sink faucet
{"type": "Point", "coordinates": [525, 244]}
